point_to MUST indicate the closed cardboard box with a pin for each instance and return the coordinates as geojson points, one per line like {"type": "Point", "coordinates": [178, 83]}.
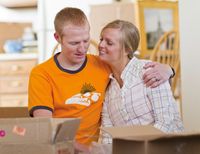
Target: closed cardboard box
{"type": "Point", "coordinates": [149, 140]}
{"type": "Point", "coordinates": [37, 135]}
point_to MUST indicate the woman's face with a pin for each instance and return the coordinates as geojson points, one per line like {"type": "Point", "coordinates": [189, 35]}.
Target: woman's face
{"type": "Point", "coordinates": [110, 49]}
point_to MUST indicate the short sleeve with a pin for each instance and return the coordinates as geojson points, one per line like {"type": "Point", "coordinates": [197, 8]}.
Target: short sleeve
{"type": "Point", "coordinates": [39, 92]}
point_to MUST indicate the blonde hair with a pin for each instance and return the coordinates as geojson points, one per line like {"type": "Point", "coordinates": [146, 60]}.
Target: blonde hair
{"type": "Point", "coordinates": [130, 37]}
{"type": "Point", "coordinates": [69, 15]}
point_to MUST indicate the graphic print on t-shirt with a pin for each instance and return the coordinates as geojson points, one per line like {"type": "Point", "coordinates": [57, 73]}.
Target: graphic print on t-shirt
{"type": "Point", "coordinates": [86, 96]}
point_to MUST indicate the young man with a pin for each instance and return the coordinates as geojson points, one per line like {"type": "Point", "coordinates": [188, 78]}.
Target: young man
{"type": "Point", "coordinates": [73, 84]}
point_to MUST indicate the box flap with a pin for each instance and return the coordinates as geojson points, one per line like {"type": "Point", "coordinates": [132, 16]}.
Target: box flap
{"type": "Point", "coordinates": [147, 132]}
{"type": "Point", "coordinates": [66, 130]}
{"type": "Point", "coordinates": [13, 112]}
{"type": "Point", "coordinates": [25, 130]}
{"type": "Point", "coordinates": [128, 131]}
{"type": "Point", "coordinates": [37, 130]}
{"type": "Point", "coordinates": [186, 134]}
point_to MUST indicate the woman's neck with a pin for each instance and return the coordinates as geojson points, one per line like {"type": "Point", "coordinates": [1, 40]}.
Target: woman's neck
{"type": "Point", "coordinates": [117, 70]}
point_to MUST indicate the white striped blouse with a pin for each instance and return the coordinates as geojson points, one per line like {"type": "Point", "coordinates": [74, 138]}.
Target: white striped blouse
{"type": "Point", "coordinates": [136, 104]}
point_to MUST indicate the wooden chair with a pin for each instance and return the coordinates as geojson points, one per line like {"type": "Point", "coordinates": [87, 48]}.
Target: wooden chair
{"type": "Point", "coordinates": [166, 51]}
{"type": "Point", "coordinates": [93, 48]}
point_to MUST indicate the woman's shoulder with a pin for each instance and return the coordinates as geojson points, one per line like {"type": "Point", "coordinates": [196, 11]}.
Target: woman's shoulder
{"type": "Point", "coordinates": [136, 67]}
{"type": "Point", "coordinates": [138, 63]}
{"type": "Point", "coordinates": [141, 62]}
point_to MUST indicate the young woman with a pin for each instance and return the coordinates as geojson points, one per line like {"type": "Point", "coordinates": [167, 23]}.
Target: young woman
{"type": "Point", "coordinates": [128, 101]}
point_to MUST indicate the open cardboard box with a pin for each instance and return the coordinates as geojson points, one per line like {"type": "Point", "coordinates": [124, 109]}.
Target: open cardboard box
{"type": "Point", "coordinates": [149, 140]}
{"type": "Point", "coordinates": [38, 135]}
{"type": "Point", "coordinates": [14, 112]}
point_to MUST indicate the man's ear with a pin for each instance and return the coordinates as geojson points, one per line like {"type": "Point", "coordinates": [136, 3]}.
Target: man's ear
{"type": "Point", "coordinates": [57, 37]}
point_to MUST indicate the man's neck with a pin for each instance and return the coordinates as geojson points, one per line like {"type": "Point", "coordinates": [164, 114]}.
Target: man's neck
{"type": "Point", "coordinates": [67, 65]}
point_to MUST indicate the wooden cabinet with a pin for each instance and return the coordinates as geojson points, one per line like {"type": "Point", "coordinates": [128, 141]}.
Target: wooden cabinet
{"type": "Point", "coordinates": [100, 15]}
{"type": "Point", "coordinates": [14, 76]}
{"type": "Point", "coordinates": [13, 67]}
{"type": "Point", "coordinates": [18, 3]}
{"type": "Point", "coordinates": [152, 18]}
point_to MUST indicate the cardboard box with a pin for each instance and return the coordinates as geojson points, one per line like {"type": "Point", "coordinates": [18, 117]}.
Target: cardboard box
{"type": "Point", "coordinates": [149, 140]}
{"type": "Point", "coordinates": [37, 135]}
{"type": "Point", "coordinates": [13, 112]}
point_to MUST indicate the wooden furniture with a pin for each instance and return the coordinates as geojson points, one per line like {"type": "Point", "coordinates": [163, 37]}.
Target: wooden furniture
{"type": "Point", "coordinates": [11, 31]}
{"type": "Point", "coordinates": [93, 48]}
{"type": "Point", "coordinates": [13, 112]}
{"type": "Point", "coordinates": [167, 51]}
{"type": "Point", "coordinates": [100, 15]}
{"type": "Point", "coordinates": [151, 17]}
{"type": "Point", "coordinates": [18, 3]}
{"type": "Point", "coordinates": [14, 76]}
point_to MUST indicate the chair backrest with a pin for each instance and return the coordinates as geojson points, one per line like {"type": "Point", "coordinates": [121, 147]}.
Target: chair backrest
{"type": "Point", "coordinates": [93, 48]}
{"type": "Point", "coordinates": [166, 51]}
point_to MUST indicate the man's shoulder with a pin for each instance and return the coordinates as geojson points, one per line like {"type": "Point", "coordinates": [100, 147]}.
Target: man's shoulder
{"type": "Point", "coordinates": [96, 62]}
{"type": "Point", "coordinates": [46, 65]}
{"type": "Point", "coordinates": [95, 58]}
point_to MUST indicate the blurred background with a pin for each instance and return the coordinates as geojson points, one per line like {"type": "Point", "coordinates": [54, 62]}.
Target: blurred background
{"type": "Point", "coordinates": [169, 34]}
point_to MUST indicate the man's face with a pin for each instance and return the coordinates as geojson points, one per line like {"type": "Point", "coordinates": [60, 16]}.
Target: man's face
{"type": "Point", "coordinates": [75, 42]}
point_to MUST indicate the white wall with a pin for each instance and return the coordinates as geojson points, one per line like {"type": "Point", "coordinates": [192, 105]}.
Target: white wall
{"type": "Point", "coordinates": [190, 61]}
{"type": "Point", "coordinates": [19, 15]}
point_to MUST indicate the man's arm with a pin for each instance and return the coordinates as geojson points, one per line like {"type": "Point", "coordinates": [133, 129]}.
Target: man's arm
{"type": "Point", "coordinates": [42, 113]}
{"type": "Point", "coordinates": [156, 74]}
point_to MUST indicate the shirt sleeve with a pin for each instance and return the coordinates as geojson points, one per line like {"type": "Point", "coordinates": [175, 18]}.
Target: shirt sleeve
{"type": "Point", "coordinates": [106, 122]}
{"type": "Point", "coordinates": [165, 109]}
{"type": "Point", "coordinates": [39, 92]}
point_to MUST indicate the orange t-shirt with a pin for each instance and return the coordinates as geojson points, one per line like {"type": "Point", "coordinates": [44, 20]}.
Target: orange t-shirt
{"type": "Point", "coordinates": [71, 94]}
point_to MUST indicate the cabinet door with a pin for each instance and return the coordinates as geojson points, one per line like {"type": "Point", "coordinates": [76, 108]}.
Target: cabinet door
{"type": "Point", "coordinates": [100, 15]}
{"type": "Point", "coordinates": [16, 67]}
{"type": "Point", "coordinates": [13, 84]}
{"type": "Point", "coordinates": [14, 100]}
